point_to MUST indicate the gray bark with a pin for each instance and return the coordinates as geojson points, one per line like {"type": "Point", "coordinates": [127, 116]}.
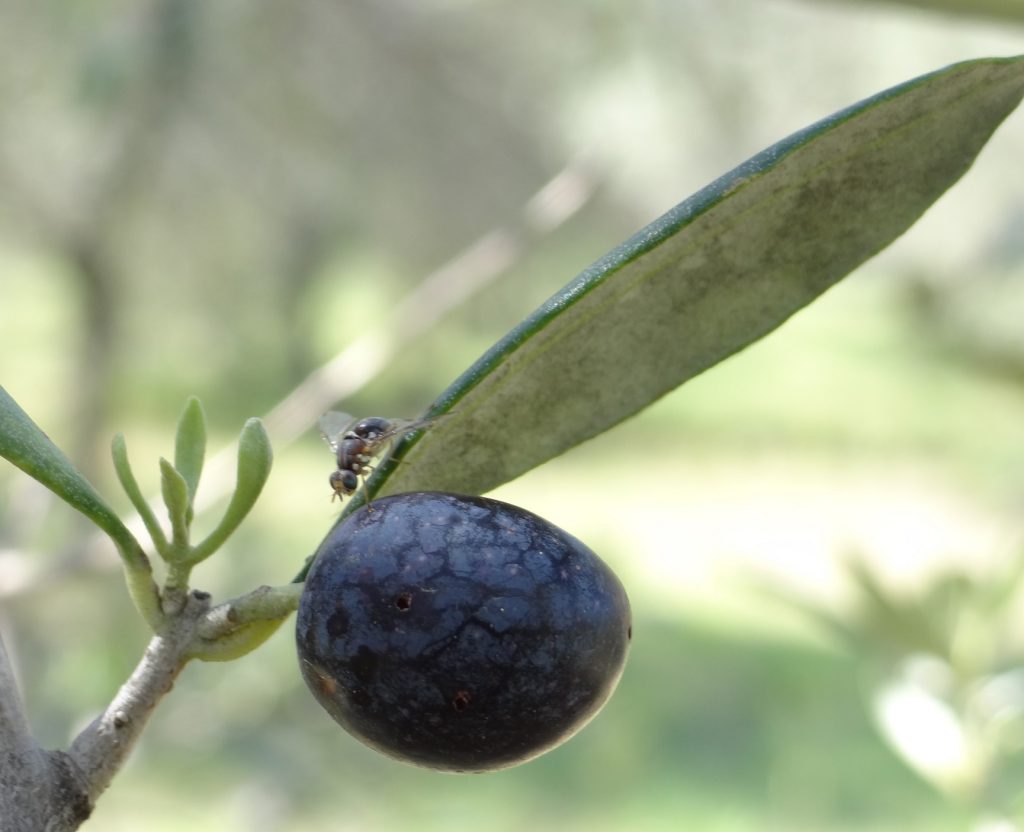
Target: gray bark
{"type": "Point", "coordinates": [39, 789]}
{"type": "Point", "coordinates": [54, 791]}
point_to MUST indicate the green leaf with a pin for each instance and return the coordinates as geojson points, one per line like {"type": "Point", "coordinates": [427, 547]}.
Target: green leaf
{"type": "Point", "coordinates": [714, 274]}
{"type": "Point", "coordinates": [190, 447]}
{"type": "Point", "coordinates": [1012, 10]}
{"type": "Point", "coordinates": [25, 445]}
{"type": "Point", "coordinates": [237, 643]}
{"type": "Point", "coordinates": [175, 494]}
{"type": "Point", "coordinates": [255, 458]}
{"type": "Point", "coordinates": [125, 475]}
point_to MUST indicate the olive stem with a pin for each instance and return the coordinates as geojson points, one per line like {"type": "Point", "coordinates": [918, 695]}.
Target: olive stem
{"type": "Point", "coordinates": [239, 626]}
{"type": "Point", "coordinates": [265, 603]}
{"type": "Point", "coordinates": [175, 585]}
{"type": "Point", "coordinates": [101, 749]}
{"type": "Point", "coordinates": [56, 790]}
{"type": "Point", "coordinates": [143, 591]}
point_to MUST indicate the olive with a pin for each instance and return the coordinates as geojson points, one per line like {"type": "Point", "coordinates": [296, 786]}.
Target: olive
{"type": "Point", "coordinates": [459, 633]}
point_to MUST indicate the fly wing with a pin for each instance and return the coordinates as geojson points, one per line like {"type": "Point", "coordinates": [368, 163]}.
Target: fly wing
{"type": "Point", "coordinates": [333, 425]}
{"type": "Point", "coordinates": [400, 427]}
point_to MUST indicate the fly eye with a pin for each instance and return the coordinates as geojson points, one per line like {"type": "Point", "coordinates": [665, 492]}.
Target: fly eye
{"type": "Point", "coordinates": [344, 481]}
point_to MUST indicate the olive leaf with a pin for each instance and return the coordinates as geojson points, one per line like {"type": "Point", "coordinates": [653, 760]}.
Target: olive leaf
{"type": "Point", "coordinates": [125, 475]}
{"type": "Point", "coordinates": [1012, 10]}
{"type": "Point", "coordinates": [255, 458]}
{"type": "Point", "coordinates": [175, 493]}
{"type": "Point", "coordinates": [24, 444]}
{"type": "Point", "coordinates": [190, 448]}
{"type": "Point", "coordinates": [717, 272]}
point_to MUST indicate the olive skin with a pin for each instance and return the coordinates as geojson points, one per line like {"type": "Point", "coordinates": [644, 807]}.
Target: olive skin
{"type": "Point", "coordinates": [459, 633]}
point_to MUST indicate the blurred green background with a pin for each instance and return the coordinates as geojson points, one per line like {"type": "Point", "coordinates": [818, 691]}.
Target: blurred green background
{"type": "Point", "coordinates": [219, 198]}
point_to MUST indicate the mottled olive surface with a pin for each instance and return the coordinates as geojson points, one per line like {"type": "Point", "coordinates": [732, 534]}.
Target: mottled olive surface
{"type": "Point", "coordinates": [460, 633]}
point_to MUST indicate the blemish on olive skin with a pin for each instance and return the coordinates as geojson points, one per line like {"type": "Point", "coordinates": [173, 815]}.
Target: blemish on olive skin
{"type": "Point", "coordinates": [403, 602]}
{"type": "Point", "coordinates": [365, 664]}
{"type": "Point", "coordinates": [629, 632]}
{"type": "Point", "coordinates": [322, 679]}
{"type": "Point", "coordinates": [461, 700]}
{"type": "Point", "coordinates": [337, 624]}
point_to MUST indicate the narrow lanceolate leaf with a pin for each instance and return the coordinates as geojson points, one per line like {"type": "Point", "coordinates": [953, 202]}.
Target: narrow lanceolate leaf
{"type": "Point", "coordinates": [714, 274]}
{"type": "Point", "coordinates": [1012, 10]}
{"type": "Point", "coordinates": [255, 458]}
{"type": "Point", "coordinates": [190, 447]}
{"type": "Point", "coordinates": [24, 444]}
{"type": "Point", "coordinates": [175, 493]}
{"type": "Point", "coordinates": [125, 475]}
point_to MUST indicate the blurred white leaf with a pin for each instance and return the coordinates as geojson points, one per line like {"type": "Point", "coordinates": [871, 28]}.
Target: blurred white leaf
{"type": "Point", "coordinates": [926, 732]}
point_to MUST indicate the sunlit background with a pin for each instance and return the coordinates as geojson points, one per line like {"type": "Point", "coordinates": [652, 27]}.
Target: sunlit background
{"type": "Point", "coordinates": [821, 538]}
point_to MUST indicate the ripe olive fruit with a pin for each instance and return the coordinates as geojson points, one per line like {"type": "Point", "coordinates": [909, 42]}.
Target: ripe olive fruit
{"type": "Point", "coordinates": [459, 633]}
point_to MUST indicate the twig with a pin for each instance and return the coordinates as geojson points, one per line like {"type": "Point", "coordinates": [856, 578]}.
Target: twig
{"type": "Point", "coordinates": [54, 791]}
{"type": "Point", "coordinates": [100, 750]}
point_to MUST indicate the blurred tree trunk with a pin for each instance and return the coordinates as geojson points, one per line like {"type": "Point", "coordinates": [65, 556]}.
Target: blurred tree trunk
{"type": "Point", "coordinates": [93, 380]}
{"type": "Point", "coordinates": [87, 247]}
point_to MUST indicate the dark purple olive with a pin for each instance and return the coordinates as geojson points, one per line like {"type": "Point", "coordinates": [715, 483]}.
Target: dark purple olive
{"type": "Point", "coordinates": [459, 633]}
